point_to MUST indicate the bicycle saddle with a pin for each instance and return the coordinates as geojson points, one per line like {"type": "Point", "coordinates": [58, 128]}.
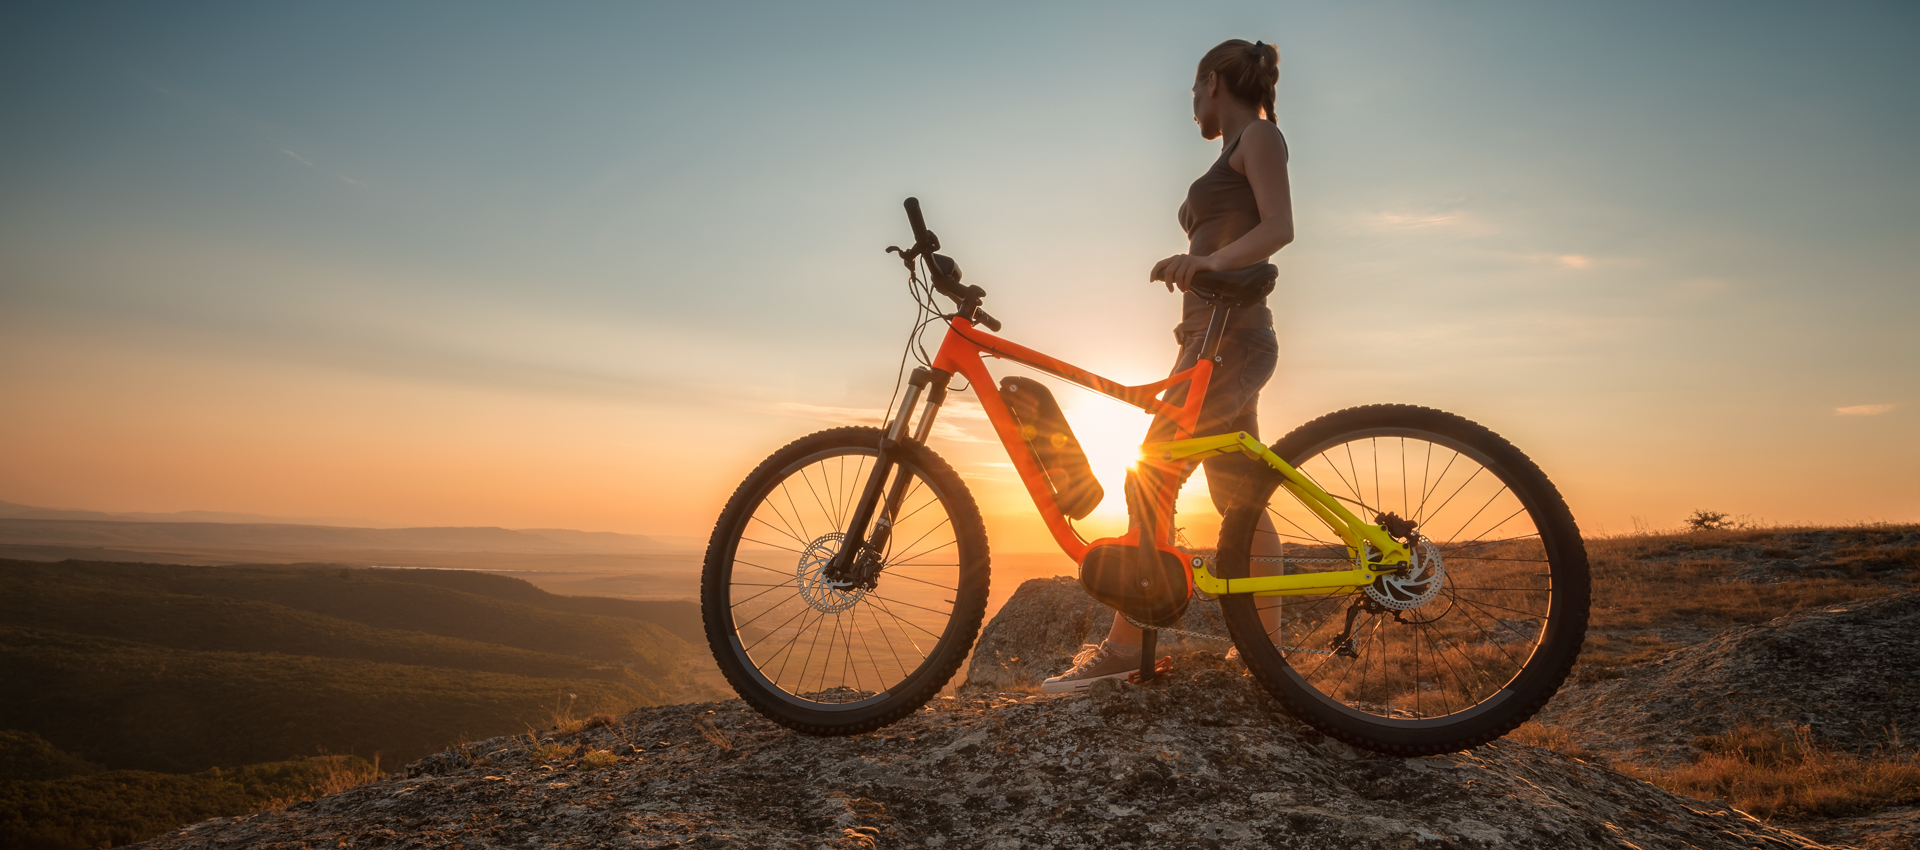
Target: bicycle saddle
{"type": "Point", "coordinates": [1237, 288]}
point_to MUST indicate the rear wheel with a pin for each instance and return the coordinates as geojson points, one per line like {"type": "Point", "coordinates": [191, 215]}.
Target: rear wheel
{"type": "Point", "coordinates": [826, 659]}
{"type": "Point", "coordinates": [1461, 648]}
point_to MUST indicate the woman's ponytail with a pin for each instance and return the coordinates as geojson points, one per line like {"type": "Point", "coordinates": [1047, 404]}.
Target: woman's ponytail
{"type": "Point", "coordinates": [1251, 72]}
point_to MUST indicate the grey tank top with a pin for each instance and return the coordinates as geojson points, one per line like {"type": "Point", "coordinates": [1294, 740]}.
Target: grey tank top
{"type": "Point", "coordinates": [1219, 209]}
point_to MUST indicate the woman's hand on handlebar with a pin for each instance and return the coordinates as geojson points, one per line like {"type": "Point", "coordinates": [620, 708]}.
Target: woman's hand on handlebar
{"type": "Point", "coordinates": [1179, 269]}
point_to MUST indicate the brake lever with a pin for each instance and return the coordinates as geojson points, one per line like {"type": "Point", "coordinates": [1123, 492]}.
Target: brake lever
{"type": "Point", "coordinates": [906, 256]}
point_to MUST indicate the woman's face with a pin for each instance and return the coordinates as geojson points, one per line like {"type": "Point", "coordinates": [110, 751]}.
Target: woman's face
{"type": "Point", "coordinates": [1206, 91]}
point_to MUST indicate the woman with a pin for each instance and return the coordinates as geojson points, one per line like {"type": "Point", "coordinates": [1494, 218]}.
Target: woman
{"type": "Point", "coordinates": [1239, 213]}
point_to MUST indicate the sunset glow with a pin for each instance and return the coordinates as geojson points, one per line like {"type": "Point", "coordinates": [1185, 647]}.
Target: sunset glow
{"type": "Point", "coordinates": [391, 275]}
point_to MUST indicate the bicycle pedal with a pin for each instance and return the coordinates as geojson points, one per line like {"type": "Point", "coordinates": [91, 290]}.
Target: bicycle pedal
{"type": "Point", "coordinates": [1160, 668]}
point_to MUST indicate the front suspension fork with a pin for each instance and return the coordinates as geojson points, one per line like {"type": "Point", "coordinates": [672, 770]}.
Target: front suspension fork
{"type": "Point", "coordinates": [858, 561]}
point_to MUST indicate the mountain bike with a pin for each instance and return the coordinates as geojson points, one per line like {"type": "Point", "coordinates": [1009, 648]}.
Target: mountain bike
{"type": "Point", "coordinates": [1399, 578]}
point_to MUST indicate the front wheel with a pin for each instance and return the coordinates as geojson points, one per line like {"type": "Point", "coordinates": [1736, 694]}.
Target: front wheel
{"type": "Point", "coordinates": [1459, 649]}
{"type": "Point", "coordinates": [819, 656]}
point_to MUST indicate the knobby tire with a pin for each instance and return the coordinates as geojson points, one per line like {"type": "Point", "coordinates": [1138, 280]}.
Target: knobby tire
{"type": "Point", "coordinates": [723, 595]}
{"type": "Point", "coordinates": [1532, 631]}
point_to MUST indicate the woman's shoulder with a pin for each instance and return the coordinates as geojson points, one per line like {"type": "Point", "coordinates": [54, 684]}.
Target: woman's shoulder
{"type": "Point", "coordinates": [1260, 139]}
{"type": "Point", "coordinates": [1263, 135]}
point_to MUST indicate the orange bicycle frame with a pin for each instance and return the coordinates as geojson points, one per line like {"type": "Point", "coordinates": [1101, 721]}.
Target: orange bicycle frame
{"type": "Point", "coordinates": [964, 352]}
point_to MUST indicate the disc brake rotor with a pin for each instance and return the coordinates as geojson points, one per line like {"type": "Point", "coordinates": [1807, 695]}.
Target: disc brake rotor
{"type": "Point", "coordinates": [818, 592]}
{"type": "Point", "coordinates": [1417, 585]}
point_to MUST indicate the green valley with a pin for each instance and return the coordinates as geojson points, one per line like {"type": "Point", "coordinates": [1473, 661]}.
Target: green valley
{"type": "Point", "coordinates": [136, 680]}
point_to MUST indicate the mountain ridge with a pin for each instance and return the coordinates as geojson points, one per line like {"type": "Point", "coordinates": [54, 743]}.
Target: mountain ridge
{"type": "Point", "coordinates": [280, 537]}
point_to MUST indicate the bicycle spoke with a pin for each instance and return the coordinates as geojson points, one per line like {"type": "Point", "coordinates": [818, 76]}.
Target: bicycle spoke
{"type": "Point", "coordinates": [882, 629]}
{"type": "Point", "coordinates": [890, 572]}
{"type": "Point", "coordinates": [909, 605]}
{"type": "Point", "coordinates": [769, 589]}
{"type": "Point", "coordinates": [899, 621]}
{"type": "Point", "coordinates": [1457, 490]}
{"type": "Point", "coordinates": [827, 512]}
{"type": "Point", "coordinates": [1425, 495]}
{"type": "Point", "coordinates": [786, 531]}
{"type": "Point", "coordinates": [805, 534]}
{"type": "Point", "coordinates": [1448, 551]}
{"type": "Point", "coordinates": [1374, 446]}
{"type": "Point", "coordinates": [741, 563]}
{"type": "Point", "coordinates": [1482, 509]}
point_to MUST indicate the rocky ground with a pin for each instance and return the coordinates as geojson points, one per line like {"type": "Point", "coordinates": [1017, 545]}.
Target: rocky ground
{"type": "Point", "coordinates": [1202, 759]}
{"type": "Point", "coordinates": [1849, 672]}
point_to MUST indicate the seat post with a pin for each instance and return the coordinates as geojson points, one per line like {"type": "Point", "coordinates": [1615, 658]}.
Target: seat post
{"type": "Point", "coordinates": [1216, 328]}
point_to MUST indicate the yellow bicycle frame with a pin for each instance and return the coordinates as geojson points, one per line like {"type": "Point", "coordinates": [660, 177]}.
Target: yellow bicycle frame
{"type": "Point", "coordinates": [1370, 548]}
{"type": "Point", "coordinates": [1386, 554]}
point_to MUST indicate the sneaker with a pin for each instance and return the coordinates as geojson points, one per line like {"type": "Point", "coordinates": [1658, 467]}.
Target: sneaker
{"type": "Point", "coordinates": [1109, 660]}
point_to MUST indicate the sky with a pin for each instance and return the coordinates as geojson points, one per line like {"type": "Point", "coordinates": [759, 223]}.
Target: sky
{"type": "Point", "coordinates": [584, 265]}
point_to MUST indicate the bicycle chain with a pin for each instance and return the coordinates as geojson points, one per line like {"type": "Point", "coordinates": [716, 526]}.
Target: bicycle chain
{"type": "Point", "coordinates": [1227, 638]}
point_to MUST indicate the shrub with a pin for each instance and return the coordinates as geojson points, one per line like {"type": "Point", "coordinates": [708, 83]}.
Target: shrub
{"type": "Point", "coordinates": [1703, 520]}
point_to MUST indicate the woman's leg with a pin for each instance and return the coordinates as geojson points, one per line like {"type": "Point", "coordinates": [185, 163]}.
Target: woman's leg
{"type": "Point", "coordinates": [1247, 360]}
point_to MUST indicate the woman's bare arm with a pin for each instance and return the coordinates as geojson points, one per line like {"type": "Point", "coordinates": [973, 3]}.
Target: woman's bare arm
{"type": "Point", "coordinates": [1262, 157]}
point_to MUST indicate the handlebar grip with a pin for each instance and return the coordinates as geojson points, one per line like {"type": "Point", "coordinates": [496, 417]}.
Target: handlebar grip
{"type": "Point", "coordinates": [919, 224]}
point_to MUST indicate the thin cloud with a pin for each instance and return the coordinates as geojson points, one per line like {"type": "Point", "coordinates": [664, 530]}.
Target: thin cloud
{"type": "Point", "coordinates": [300, 159]}
{"type": "Point", "coordinates": [1576, 261]}
{"type": "Point", "coordinates": [1411, 221]}
{"type": "Point", "coordinates": [1863, 410]}
{"type": "Point", "coordinates": [1456, 222]}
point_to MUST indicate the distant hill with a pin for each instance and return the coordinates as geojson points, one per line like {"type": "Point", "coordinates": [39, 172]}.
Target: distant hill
{"type": "Point", "coordinates": [11, 509]}
{"type": "Point", "coordinates": [278, 537]}
{"type": "Point", "coordinates": [242, 531]}
{"type": "Point", "coordinates": [181, 668]}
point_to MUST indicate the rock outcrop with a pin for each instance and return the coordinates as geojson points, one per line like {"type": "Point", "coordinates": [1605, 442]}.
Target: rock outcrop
{"type": "Point", "coordinates": [1849, 672]}
{"type": "Point", "coordinates": [1046, 622]}
{"type": "Point", "coordinates": [1201, 758]}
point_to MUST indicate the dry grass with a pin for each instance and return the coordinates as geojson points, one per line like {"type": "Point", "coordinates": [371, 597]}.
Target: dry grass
{"type": "Point", "coordinates": [713, 734]}
{"type": "Point", "coordinates": [1769, 774]}
{"type": "Point", "coordinates": [1554, 738]}
{"type": "Point", "coordinates": [561, 719]}
{"type": "Point", "coordinates": [542, 749]}
{"type": "Point", "coordinates": [341, 773]}
{"type": "Point", "coordinates": [599, 759]}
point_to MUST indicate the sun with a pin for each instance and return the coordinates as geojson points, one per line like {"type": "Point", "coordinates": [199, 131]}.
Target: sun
{"type": "Point", "coordinates": [1110, 432]}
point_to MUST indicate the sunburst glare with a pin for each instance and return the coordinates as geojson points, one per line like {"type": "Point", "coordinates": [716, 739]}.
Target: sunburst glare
{"type": "Point", "coordinates": [1111, 432]}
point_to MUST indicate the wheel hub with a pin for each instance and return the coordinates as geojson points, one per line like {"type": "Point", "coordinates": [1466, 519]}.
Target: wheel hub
{"type": "Point", "coordinates": [816, 589]}
{"type": "Point", "coordinates": [1415, 586]}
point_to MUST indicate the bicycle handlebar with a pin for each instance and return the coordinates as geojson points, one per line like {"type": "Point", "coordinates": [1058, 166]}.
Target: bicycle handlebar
{"type": "Point", "coordinates": [945, 273]}
{"type": "Point", "coordinates": [923, 239]}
